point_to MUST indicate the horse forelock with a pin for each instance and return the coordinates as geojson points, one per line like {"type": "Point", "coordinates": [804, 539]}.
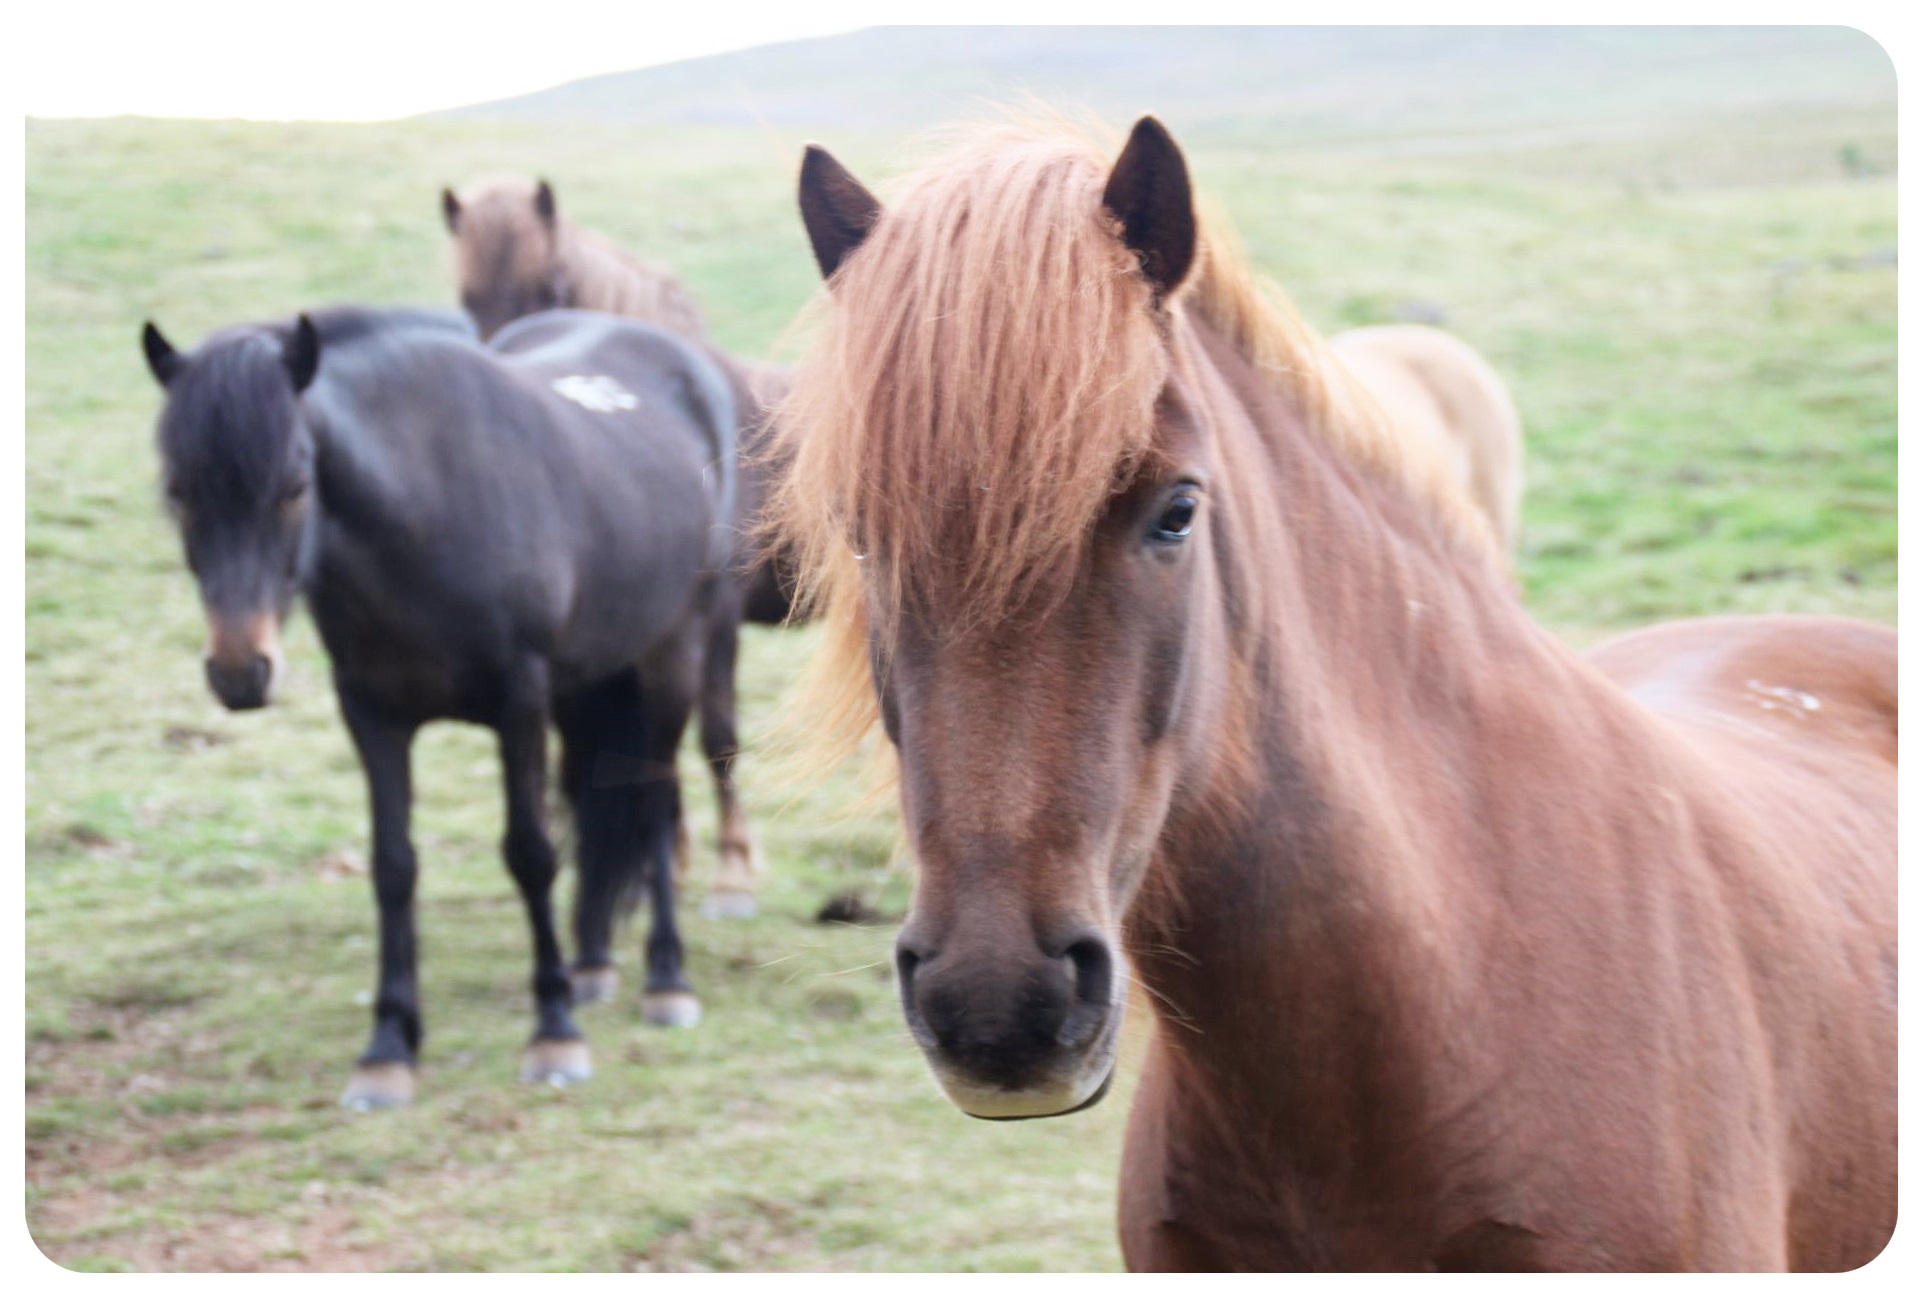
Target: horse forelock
{"type": "Point", "coordinates": [984, 379]}
{"type": "Point", "coordinates": [229, 418]}
{"type": "Point", "coordinates": [500, 235]}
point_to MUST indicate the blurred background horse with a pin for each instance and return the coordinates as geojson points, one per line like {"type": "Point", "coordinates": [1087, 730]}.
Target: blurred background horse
{"type": "Point", "coordinates": [514, 253]}
{"type": "Point", "coordinates": [529, 532]}
{"type": "Point", "coordinates": [1437, 388]}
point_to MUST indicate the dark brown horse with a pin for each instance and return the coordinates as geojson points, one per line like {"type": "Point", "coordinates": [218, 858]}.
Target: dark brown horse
{"type": "Point", "coordinates": [530, 532]}
{"type": "Point", "coordinates": [515, 253]}
{"type": "Point", "coordinates": [1466, 951]}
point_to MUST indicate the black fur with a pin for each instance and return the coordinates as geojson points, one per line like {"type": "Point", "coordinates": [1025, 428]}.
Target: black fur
{"type": "Point", "coordinates": [474, 545]}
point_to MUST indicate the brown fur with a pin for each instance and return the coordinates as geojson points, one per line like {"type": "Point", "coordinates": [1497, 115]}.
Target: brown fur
{"type": "Point", "coordinates": [1466, 951]}
{"type": "Point", "coordinates": [509, 262]}
{"type": "Point", "coordinates": [998, 281]}
{"type": "Point", "coordinates": [1436, 387]}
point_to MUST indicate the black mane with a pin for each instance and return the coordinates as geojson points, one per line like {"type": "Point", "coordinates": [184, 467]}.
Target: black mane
{"type": "Point", "coordinates": [230, 415]}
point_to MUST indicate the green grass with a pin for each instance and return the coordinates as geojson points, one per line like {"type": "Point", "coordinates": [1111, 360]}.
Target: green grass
{"type": "Point", "coordinates": [1706, 366]}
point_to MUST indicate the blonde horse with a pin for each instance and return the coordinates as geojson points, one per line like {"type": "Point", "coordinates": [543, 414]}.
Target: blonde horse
{"type": "Point", "coordinates": [1438, 389]}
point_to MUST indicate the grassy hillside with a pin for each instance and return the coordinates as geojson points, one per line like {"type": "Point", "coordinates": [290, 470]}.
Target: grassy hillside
{"type": "Point", "coordinates": [1700, 327]}
{"type": "Point", "coordinates": [1310, 82]}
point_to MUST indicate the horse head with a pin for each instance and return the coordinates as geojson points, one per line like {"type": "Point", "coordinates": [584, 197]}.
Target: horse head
{"type": "Point", "coordinates": [237, 468]}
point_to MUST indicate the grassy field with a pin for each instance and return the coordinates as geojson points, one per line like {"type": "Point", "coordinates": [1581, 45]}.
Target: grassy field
{"type": "Point", "coordinates": [1700, 327]}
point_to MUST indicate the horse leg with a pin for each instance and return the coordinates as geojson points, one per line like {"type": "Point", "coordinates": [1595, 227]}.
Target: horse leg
{"type": "Point", "coordinates": [735, 882]}
{"type": "Point", "coordinates": [667, 698]}
{"type": "Point", "coordinates": [384, 1074]}
{"type": "Point", "coordinates": [602, 760]}
{"type": "Point", "coordinates": [558, 1053]}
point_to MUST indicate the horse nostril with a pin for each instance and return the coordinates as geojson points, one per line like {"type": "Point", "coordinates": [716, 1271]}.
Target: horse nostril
{"type": "Point", "coordinates": [1094, 968]}
{"type": "Point", "coordinates": [241, 687]}
{"type": "Point", "coordinates": [906, 962]}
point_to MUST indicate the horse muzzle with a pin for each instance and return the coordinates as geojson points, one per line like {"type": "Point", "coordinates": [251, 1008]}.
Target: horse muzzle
{"type": "Point", "coordinates": [243, 660]}
{"type": "Point", "coordinates": [1010, 1038]}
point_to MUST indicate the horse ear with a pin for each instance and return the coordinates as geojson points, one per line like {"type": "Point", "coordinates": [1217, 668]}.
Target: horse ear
{"type": "Point", "coordinates": [450, 209]}
{"type": "Point", "coordinates": [301, 354]}
{"type": "Point", "coordinates": [838, 212]}
{"type": "Point", "coordinates": [162, 359]}
{"type": "Point", "coordinates": [544, 202]}
{"type": "Point", "coordinates": [1148, 192]}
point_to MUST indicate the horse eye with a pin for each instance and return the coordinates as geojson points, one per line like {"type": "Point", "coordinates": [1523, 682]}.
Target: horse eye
{"type": "Point", "coordinates": [1177, 520]}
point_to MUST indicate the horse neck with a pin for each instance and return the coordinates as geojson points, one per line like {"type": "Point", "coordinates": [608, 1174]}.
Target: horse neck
{"type": "Point", "coordinates": [594, 270]}
{"type": "Point", "coordinates": [602, 276]}
{"type": "Point", "coordinates": [758, 389]}
{"type": "Point", "coordinates": [1317, 911]}
{"type": "Point", "coordinates": [364, 487]}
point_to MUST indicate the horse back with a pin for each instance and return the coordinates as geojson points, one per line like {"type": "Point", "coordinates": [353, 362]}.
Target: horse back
{"type": "Point", "coordinates": [1792, 797]}
{"type": "Point", "coordinates": [1808, 684]}
{"type": "Point", "coordinates": [560, 494]}
{"type": "Point", "coordinates": [598, 373]}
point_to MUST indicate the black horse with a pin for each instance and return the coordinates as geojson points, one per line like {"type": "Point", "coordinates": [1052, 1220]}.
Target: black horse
{"type": "Point", "coordinates": [500, 535]}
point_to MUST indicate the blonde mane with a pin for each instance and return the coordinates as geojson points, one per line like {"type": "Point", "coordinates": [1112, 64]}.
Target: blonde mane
{"type": "Point", "coordinates": [983, 379]}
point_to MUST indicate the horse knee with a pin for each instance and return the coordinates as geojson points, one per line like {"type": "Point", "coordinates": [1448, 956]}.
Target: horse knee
{"type": "Point", "coordinates": [529, 854]}
{"type": "Point", "coordinates": [394, 875]}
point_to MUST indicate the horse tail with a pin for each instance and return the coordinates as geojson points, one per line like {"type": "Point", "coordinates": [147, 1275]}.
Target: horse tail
{"type": "Point", "coordinates": [603, 764]}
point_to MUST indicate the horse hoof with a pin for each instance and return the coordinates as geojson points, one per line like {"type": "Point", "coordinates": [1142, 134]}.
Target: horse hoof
{"type": "Point", "coordinates": [379, 1086]}
{"type": "Point", "coordinates": [556, 1062]}
{"type": "Point", "coordinates": [676, 1009]}
{"type": "Point", "coordinates": [728, 905]}
{"type": "Point", "coordinates": [594, 984]}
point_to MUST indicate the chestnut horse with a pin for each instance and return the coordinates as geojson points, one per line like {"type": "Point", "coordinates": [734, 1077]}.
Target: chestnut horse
{"type": "Point", "coordinates": [515, 253]}
{"type": "Point", "coordinates": [1434, 386]}
{"type": "Point", "coordinates": [1465, 950]}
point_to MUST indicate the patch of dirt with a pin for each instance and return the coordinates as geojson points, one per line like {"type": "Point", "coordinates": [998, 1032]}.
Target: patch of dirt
{"type": "Point", "coordinates": [341, 863]}
{"type": "Point", "coordinates": [191, 739]}
{"type": "Point", "coordinates": [121, 1051]}
{"type": "Point", "coordinates": [85, 836]}
{"type": "Point", "coordinates": [849, 908]}
{"type": "Point", "coordinates": [835, 1004]}
{"type": "Point", "coordinates": [325, 1237]}
{"type": "Point", "coordinates": [736, 1235]}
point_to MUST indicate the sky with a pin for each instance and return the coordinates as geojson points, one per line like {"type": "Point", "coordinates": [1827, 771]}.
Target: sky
{"type": "Point", "coordinates": [367, 60]}
{"type": "Point", "coordinates": [370, 60]}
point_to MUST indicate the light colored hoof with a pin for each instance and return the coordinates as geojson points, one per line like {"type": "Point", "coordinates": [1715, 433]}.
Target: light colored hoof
{"type": "Point", "coordinates": [379, 1086]}
{"type": "Point", "coordinates": [740, 864]}
{"type": "Point", "coordinates": [728, 905]}
{"type": "Point", "coordinates": [595, 984]}
{"type": "Point", "coordinates": [556, 1062]}
{"type": "Point", "coordinates": [671, 1009]}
